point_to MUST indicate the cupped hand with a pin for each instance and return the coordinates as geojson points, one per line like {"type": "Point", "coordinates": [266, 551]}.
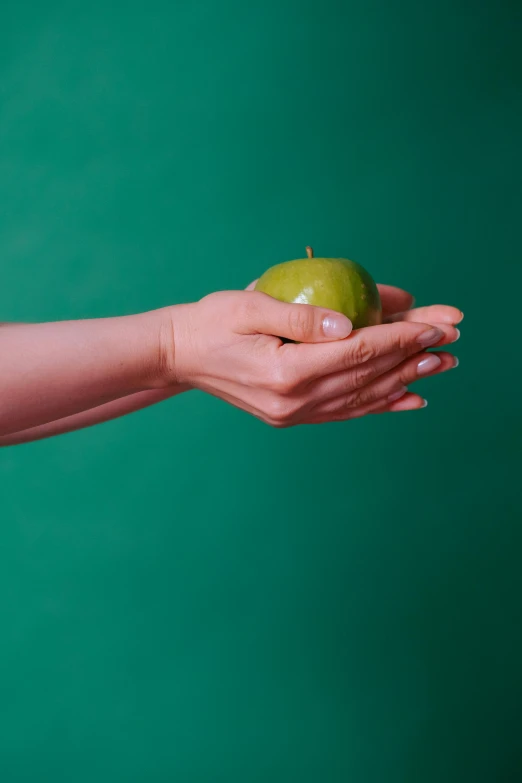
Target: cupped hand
{"type": "Point", "coordinates": [397, 306]}
{"type": "Point", "coordinates": [226, 345]}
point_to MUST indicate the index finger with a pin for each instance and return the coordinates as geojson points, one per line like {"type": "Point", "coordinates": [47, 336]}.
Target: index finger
{"type": "Point", "coordinates": [312, 361]}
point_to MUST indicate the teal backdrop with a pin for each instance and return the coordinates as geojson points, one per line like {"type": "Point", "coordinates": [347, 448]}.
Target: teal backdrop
{"type": "Point", "coordinates": [185, 594]}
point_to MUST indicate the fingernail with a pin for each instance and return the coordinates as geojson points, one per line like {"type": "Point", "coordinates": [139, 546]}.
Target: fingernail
{"type": "Point", "coordinates": [461, 317]}
{"type": "Point", "coordinates": [431, 337]}
{"type": "Point", "coordinates": [337, 326]}
{"type": "Point", "coordinates": [457, 337]}
{"type": "Point", "coordinates": [425, 403]}
{"type": "Point", "coordinates": [428, 364]}
{"type": "Point", "coordinates": [398, 394]}
{"type": "Point", "coordinates": [456, 361]}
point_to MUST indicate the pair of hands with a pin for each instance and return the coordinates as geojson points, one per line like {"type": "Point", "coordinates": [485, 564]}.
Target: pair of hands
{"type": "Point", "coordinates": [225, 345]}
{"type": "Point", "coordinates": [63, 376]}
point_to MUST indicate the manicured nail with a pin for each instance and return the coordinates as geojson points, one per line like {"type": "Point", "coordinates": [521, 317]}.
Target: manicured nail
{"type": "Point", "coordinates": [456, 361]}
{"type": "Point", "coordinates": [457, 337]}
{"type": "Point", "coordinates": [461, 317]}
{"type": "Point", "coordinates": [431, 337]}
{"type": "Point", "coordinates": [337, 326]}
{"type": "Point", "coordinates": [398, 394]}
{"type": "Point", "coordinates": [425, 403]}
{"type": "Point", "coordinates": [428, 364]}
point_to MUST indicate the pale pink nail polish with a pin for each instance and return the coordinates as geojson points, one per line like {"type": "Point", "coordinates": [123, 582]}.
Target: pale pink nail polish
{"type": "Point", "coordinates": [398, 394]}
{"type": "Point", "coordinates": [431, 337]}
{"type": "Point", "coordinates": [337, 326]}
{"type": "Point", "coordinates": [428, 364]}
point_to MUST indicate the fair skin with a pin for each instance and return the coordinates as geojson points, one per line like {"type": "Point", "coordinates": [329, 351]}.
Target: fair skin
{"type": "Point", "coordinates": [60, 377]}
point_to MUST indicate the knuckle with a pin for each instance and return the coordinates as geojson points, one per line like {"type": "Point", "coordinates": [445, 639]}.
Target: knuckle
{"type": "Point", "coordinates": [406, 337]}
{"type": "Point", "coordinates": [361, 374]}
{"type": "Point", "coordinates": [404, 340]}
{"type": "Point", "coordinates": [345, 404]}
{"type": "Point", "coordinates": [282, 379]}
{"type": "Point", "coordinates": [363, 396]}
{"type": "Point", "coordinates": [249, 307]}
{"type": "Point", "coordinates": [279, 412]}
{"type": "Point", "coordinates": [362, 350]}
{"type": "Point", "coordinates": [300, 321]}
{"type": "Point", "coordinates": [394, 338]}
{"type": "Point", "coordinates": [349, 402]}
{"type": "Point", "coordinates": [407, 373]}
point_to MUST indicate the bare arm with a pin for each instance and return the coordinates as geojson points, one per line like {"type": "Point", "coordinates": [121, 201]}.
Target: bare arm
{"type": "Point", "coordinates": [58, 377]}
{"type": "Point", "coordinates": [88, 418]}
{"type": "Point", "coordinates": [55, 371]}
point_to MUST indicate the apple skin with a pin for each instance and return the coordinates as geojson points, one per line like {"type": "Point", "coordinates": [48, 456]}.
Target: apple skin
{"type": "Point", "coordinates": [334, 283]}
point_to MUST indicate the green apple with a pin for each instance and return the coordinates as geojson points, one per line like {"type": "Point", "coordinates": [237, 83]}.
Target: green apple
{"type": "Point", "coordinates": [334, 283]}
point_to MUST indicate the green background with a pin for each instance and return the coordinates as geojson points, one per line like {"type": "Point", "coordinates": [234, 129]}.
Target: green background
{"type": "Point", "coordinates": [185, 594]}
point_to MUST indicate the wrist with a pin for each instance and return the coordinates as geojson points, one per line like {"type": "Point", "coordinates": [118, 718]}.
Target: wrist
{"type": "Point", "coordinates": [172, 332]}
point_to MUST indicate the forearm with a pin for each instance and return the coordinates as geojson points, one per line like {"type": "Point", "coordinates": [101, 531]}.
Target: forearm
{"type": "Point", "coordinates": [88, 418]}
{"type": "Point", "coordinates": [56, 370]}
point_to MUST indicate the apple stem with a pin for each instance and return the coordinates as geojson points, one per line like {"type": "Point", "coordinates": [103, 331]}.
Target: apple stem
{"type": "Point", "coordinates": [310, 251]}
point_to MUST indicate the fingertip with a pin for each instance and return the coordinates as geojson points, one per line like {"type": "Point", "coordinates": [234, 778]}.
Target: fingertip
{"type": "Point", "coordinates": [430, 337]}
{"type": "Point", "coordinates": [448, 360]}
{"type": "Point", "coordinates": [410, 402]}
{"type": "Point", "coordinates": [444, 314]}
{"type": "Point", "coordinates": [431, 314]}
{"type": "Point", "coordinates": [336, 326]}
{"type": "Point", "coordinates": [452, 315]}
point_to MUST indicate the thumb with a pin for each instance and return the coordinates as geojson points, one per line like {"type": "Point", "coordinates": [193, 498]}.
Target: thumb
{"type": "Point", "coordinates": [301, 323]}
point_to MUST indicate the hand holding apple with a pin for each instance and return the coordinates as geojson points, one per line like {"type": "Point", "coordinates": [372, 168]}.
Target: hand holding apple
{"type": "Point", "coordinates": [90, 371]}
{"type": "Point", "coordinates": [225, 345]}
